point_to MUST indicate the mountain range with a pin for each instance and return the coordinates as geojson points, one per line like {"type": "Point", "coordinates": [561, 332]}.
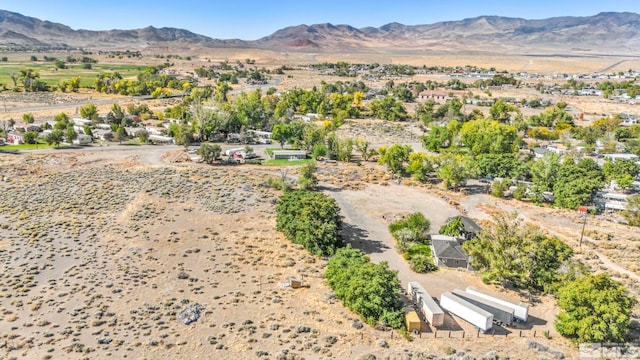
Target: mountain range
{"type": "Point", "coordinates": [604, 33]}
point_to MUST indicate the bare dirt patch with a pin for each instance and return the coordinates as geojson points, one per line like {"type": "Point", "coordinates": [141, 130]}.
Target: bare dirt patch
{"type": "Point", "coordinates": [103, 254]}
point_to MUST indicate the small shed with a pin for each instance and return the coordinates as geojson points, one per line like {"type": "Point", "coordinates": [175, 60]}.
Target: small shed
{"type": "Point", "coordinates": [295, 283]}
{"type": "Point", "coordinates": [82, 139]}
{"type": "Point", "coordinates": [290, 154]}
{"type": "Point", "coordinates": [414, 324]}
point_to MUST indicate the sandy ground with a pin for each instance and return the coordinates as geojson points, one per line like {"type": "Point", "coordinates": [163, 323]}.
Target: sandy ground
{"type": "Point", "coordinates": [103, 249]}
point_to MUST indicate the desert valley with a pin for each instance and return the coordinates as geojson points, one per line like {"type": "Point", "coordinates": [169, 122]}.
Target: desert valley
{"type": "Point", "coordinates": [166, 195]}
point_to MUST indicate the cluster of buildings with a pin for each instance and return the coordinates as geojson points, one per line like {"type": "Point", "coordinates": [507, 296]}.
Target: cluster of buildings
{"type": "Point", "coordinates": [98, 132]}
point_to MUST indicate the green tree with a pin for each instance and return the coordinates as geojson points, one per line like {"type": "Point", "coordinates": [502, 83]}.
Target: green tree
{"type": "Point", "coordinates": [14, 78]}
{"type": "Point", "coordinates": [498, 187]}
{"type": "Point", "coordinates": [424, 112]}
{"type": "Point", "coordinates": [207, 121]}
{"type": "Point", "coordinates": [28, 78]}
{"type": "Point", "coordinates": [143, 136]}
{"type": "Point", "coordinates": [632, 211]}
{"type": "Point", "coordinates": [120, 134]}
{"type": "Point", "coordinates": [362, 146]}
{"type": "Point", "coordinates": [453, 170]}
{"type": "Point", "coordinates": [30, 137]}
{"type": "Point", "coordinates": [312, 135]}
{"type": "Point", "coordinates": [415, 225]}
{"type": "Point", "coordinates": [419, 166]}
{"type": "Point", "coordinates": [577, 183]}
{"type": "Point", "coordinates": [622, 171]}
{"type": "Point", "coordinates": [501, 111]}
{"type": "Point", "coordinates": [454, 227]}
{"type": "Point", "coordinates": [311, 219]}
{"type": "Point", "coordinates": [74, 83]}
{"type": "Point", "coordinates": [554, 116]}
{"type": "Point", "coordinates": [544, 172]}
{"type": "Point", "coordinates": [61, 121]}
{"type": "Point", "coordinates": [184, 136]}
{"type": "Point", "coordinates": [28, 118]}
{"type": "Point", "coordinates": [394, 157]}
{"type": "Point", "coordinates": [89, 111]}
{"type": "Point", "coordinates": [450, 110]}
{"type": "Point", "coordinates": [115, 115]}
{"type": "Point", "coordinates": [516, 254]}
{"type": "Point", "coordinates": [489, 137]}
{"type": "Point", "coordinates": [70, 134]}
{"type": "Point", "coordinates": [439, 137]}
{"type": "Point", "coordinates": [388, 108]}
{"type": "Point", "coordinates": [55, 137]}
{"type": "Point", "coordinates": [307, 176]}
{"type": "Point", "coordinates": [209, 153]}
{"type": "Point", "coordinates": [504, 165]}
{"type": "Point", "coordinates": [594, 309]}
{"type": "Point", "coordinates": [280, 133]}
{"type": "Point", "coordinates": [370, 290]}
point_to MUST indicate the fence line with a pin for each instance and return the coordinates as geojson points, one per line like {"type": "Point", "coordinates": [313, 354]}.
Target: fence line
{"type": "Point", "coordinates": [462, 335]}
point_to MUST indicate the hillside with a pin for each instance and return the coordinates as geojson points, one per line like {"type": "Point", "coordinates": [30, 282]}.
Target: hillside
{"type": "Point", "coordinates": [604, 33]}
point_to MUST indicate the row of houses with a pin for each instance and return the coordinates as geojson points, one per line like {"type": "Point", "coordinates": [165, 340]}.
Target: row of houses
{"type": "Point", "coordinates": [99, 131]}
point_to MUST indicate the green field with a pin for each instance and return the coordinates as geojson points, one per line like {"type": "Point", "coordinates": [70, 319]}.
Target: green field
{"type": "Point", "coordinates": [11, 148]}
{"type": "Point", "coordinates": [52, 76]}
{"type": "Point", "coordinates": [285, 162]}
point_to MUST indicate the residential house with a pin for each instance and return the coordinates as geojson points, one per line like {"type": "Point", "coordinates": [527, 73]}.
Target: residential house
{"type": "Point", "coordinates": [440, 96]}
{"type": "Point", "coordinates": [80, 121]}
{"type": "Point", "coordinates": [539, 152]}
{"type": "Point", "coordinates": [133, 131]}
{"type": "Point", "coordinates": [103, 134]}
{"type": "Point", "coordinates": [610, 202]}
{"type": "Point", "coordinates": [82, 139]}
{"type": "Point", "coordinates": [621, 156]}
{"type": "Point", "coordinates": [15, 138]}
{"type": "Point", "coordinates": [557, 148]}
{"type": "Point", "coordinates": [448, 252]}
{"type": "Point", "coordinates": [628, 119]}
{"type": "Point", "coordinates": [160, 139]}
{"type": "Point", "coordinates": [470, 228]}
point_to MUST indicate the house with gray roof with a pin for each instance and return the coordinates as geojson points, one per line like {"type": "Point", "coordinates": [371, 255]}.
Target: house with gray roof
{"type": "Point", "coordinates": [448, 252]}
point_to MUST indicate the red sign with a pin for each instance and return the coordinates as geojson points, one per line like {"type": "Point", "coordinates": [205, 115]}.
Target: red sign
{"type": "Point", "coordinates": [582, 209]}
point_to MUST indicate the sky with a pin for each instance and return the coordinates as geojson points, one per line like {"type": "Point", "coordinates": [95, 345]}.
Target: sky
{"type": "Point", "coordinates": [253, 19]}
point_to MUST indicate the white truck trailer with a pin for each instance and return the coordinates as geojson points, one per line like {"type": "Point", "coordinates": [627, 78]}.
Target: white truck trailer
{"type": "Point", "coordinates": [520, 310]}
{"type": "Point", "coordinates": [425, 304]}
{"type": "Point", "coordinates": [474, 315]}
{"type": "Point", "coordinates": [502, 314]}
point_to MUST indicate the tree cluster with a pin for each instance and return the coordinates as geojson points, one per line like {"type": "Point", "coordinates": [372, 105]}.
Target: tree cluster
{"type": "Point", "coordinates": [594, 309]}
{"type": "Point", "coordinates": [311, 219]}
{"type": "Point", "coordinates": [370, 290]}
{"type": "Point", "coordinates": [517, 255]}
{"type": "Point", "coordinates": [412, 240]}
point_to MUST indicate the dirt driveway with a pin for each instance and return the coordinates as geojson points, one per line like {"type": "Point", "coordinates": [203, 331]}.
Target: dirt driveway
{"type": "Point", "coordinates": [367, 214]}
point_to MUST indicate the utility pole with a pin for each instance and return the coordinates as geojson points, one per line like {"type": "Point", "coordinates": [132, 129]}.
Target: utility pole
{"type": "Point", "coordinates": [584, 224]}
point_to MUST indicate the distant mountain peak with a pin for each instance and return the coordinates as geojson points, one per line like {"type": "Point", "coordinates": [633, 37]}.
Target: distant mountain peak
{"type": "Point", "coordinates": [606, 32]}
